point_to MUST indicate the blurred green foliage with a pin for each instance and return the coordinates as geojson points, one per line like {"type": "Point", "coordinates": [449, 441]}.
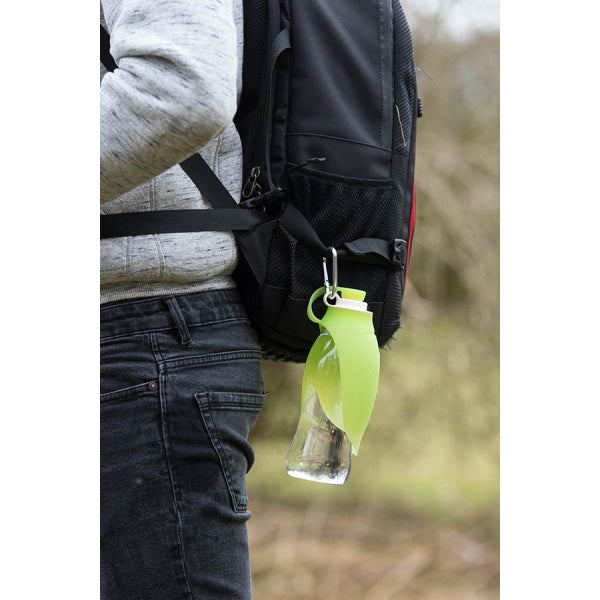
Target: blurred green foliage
{"type": "Point", "coordinates": [455, 260]}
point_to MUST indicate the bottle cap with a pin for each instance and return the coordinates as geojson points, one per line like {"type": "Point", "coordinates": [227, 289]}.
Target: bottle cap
{"type": "Point", "coordinates": [349, 303]}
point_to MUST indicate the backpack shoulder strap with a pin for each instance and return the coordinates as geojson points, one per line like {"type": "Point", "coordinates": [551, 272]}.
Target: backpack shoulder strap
{"type": "Point", "coordinates": [225, 216]}
{"type": "Point", "coordinates": [210, 186]}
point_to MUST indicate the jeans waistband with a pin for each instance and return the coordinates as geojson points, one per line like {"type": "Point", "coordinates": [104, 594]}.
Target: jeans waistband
{"type": "Point", "coordinates": [127, 317]}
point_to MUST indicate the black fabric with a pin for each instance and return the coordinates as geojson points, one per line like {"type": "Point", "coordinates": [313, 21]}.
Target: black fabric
{"type": "Point", "coordinates": [281, 43]}
{"type": "Point", "coordinates": [105, 56]}
{"type": "Point", "coordinates": [179, 221]}
{"type": "Point", "coordinates": [342, 95]}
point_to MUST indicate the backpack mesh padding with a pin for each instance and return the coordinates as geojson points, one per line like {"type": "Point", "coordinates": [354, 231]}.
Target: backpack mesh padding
{"type": "Point", "coordinates": [340, 210]}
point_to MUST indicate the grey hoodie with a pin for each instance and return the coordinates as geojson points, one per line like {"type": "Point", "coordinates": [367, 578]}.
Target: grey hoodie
{"type": "Point", "coordinates": [175, 92]}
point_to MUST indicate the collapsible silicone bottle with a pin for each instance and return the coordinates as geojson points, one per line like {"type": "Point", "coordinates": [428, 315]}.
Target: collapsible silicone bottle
{"type": "Point", "coordinates": [338, 390]}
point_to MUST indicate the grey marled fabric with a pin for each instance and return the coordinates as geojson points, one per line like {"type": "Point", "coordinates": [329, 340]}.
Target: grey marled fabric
{"type": "Point", "coordinates": [175, 92]}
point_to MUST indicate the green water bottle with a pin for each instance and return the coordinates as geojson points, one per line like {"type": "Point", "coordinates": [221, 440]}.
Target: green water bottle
{"type": "Point", "coordinates": [338, 389]}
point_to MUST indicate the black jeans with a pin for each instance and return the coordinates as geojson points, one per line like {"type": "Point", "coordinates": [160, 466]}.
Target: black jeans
{"type": "Point", "coordinates": [181, 387]}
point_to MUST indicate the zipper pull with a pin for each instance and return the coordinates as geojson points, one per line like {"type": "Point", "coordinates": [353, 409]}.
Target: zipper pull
{"type": "Point", "coordinates": [252, 191]}
{"type": "Point", "coordinates": [252, 187]}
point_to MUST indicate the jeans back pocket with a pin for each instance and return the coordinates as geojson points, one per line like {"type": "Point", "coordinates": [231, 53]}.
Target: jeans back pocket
{"type": "Point", "coordinates": [228, 418]}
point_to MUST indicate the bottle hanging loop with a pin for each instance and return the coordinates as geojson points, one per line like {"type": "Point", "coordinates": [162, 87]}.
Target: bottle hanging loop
{"type": "Point", "coordinates": [330, 290]}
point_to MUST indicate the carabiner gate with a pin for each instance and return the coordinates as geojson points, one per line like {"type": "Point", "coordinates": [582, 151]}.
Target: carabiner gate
{"type": "Point", "coordinates": [330, 291]}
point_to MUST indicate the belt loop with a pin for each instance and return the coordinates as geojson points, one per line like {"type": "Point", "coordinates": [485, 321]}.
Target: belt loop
{"type": "Point", "coordinates": [182, 328]}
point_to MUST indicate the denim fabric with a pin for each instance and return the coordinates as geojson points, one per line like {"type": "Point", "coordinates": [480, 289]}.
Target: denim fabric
{"type": "Point", "coordinates": [181, 387]}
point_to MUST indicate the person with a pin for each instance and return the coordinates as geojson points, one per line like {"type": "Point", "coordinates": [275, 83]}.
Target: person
{"type": "Point", "coordinates": [180, 373]}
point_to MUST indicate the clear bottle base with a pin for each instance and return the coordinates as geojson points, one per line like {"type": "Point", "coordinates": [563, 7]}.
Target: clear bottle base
{"type": "Point", "coordinates": [320, 451]}
{"type": "Point", "coordinates": [325, 477]}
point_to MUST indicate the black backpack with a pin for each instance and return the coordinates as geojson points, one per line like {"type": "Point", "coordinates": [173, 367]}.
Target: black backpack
{"type": "Point", "coordinates": [328, 125]}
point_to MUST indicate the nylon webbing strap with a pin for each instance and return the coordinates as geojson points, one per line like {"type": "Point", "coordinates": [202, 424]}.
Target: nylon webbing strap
{"type": "Point", "coordinates": [297, 224]}
{"type": "Point", "coordinates": [179, 221]}
{"type": "Point", "coordinates": [207, 182]}
{"type": "Point", "coordinates": [225, 216]}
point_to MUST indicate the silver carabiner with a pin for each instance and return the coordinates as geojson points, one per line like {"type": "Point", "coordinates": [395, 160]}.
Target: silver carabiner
{"type": "Point", "coordinates": [330, 291]}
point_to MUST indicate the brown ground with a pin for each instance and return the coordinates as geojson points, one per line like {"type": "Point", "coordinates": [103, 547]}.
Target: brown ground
{"type": "Point", "coordinates": [366, 553]}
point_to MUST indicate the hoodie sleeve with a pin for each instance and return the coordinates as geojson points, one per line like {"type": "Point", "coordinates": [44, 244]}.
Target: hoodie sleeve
{"type": "Point", "coordinates": [173, 91]}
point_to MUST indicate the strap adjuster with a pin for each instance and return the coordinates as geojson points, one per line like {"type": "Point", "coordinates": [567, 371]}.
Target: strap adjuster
{"type": "Point", "coordinates": [399, 254]}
